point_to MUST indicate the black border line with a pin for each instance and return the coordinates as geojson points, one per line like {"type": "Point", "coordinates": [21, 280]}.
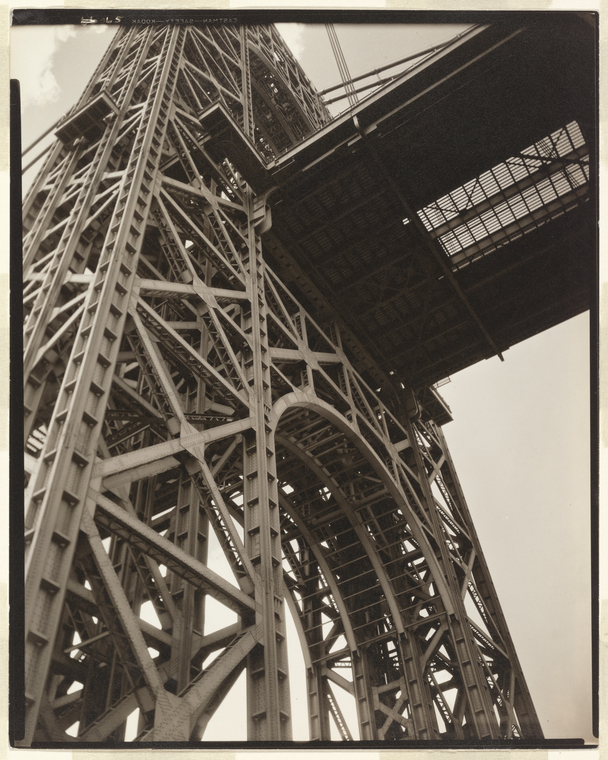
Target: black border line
{"type": "Point", "coordinates": [128, 17]}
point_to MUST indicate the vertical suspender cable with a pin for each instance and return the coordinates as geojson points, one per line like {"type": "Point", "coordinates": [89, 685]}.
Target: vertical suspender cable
{"type": "Point", "coordinates": [351, 93]}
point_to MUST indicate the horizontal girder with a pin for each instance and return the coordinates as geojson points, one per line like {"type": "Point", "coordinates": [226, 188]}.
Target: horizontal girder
{"type": "Point", "coordinates": [191, 393]}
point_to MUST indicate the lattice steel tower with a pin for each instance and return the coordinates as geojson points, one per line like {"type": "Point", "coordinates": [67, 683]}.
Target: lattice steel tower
{"type": "Point", "coordinates": [175, 385]}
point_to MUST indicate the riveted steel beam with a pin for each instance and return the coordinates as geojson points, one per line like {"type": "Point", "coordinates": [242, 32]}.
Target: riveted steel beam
{"type": "Point", "coordinates": [176, 385]}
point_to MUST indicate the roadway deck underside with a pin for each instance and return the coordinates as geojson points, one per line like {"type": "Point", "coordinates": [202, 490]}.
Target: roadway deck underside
{"type": "Point", "coordinates": [424, 310]}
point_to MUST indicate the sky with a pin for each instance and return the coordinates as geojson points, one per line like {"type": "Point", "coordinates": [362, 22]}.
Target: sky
{"type": "Point", "coordinates": [520, 435]}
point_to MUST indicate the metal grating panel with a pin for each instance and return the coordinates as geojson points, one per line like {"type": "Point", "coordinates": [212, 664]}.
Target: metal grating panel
{"type": "Point", "coordinates": [517, 196]}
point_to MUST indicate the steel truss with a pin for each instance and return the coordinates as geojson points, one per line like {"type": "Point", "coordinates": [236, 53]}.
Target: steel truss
{"type": "Point", "coordinates": [173, 387]}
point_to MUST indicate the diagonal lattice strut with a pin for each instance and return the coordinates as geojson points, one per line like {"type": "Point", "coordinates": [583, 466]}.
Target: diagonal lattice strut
{"type": "Point", "coordinates": [175, 384]}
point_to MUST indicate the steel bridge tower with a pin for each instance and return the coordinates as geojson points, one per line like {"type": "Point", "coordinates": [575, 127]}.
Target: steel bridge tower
{"type": "Point", "coordinates": [174, 386]}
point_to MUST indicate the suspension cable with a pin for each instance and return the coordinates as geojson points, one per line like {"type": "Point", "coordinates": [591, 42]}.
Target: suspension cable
{"type": "Point", "coordinates": [349, 84]}
{"type": "Point", "coordinates": [44, 134]}
{"type": "Point", "coordinates": [345, 76]}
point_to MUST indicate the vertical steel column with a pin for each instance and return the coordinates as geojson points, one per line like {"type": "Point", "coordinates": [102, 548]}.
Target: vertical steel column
{"type": "Point", "coordinates": [248, 122]}
{"type": "Point", "coordinates": [318, 709]}
{"type": "Point", "coordinates": [172, 373]}
{"type": "Point", "coordinates": [464, 648]}
{"type": "Point", "coordinates": [268, 689]}
{"type": "Point", "coordinates": [54, 515]}
{"type": "Point", "coordinates": [517, 689]}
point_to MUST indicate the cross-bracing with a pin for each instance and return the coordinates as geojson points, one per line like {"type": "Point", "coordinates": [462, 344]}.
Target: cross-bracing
{"type": "Point", "coordinates": [175, 386]}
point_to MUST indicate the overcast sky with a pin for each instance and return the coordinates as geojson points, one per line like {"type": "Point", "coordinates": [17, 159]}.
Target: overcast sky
{"type": "Point", "coordinates": [520, 436]}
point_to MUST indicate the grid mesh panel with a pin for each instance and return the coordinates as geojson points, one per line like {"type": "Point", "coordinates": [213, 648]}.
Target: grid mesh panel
{"type": "Point", "coordinates": [523, 193]}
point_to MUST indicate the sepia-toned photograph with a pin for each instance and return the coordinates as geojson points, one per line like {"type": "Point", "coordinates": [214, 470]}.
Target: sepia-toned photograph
{"type": "Point", "coordinates": [309, 307]}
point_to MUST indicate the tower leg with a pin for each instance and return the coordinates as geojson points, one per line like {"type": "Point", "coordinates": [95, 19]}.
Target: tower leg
{"type": "Point", "coordinates": [267, 685]}
{"type": "Point", "coordinates": [175, 386]}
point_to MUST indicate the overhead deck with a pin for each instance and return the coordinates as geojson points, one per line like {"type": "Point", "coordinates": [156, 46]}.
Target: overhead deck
{"type": "Point", "coordinates": [502, 259]}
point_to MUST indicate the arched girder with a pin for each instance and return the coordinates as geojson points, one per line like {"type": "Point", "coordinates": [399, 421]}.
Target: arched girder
{"type": "Point", "coordinates": [198, 384]}
{"type": "Point", "coordinates": [310, 401]}
{"type": "Point", "coordinates": [348, 512]}
{"type": "Point", "coordinates": [412, 680]}
{"type": "Point", "coordinates": [327, 573]}
{"type": "Point", "coordinates": [316, 668]}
